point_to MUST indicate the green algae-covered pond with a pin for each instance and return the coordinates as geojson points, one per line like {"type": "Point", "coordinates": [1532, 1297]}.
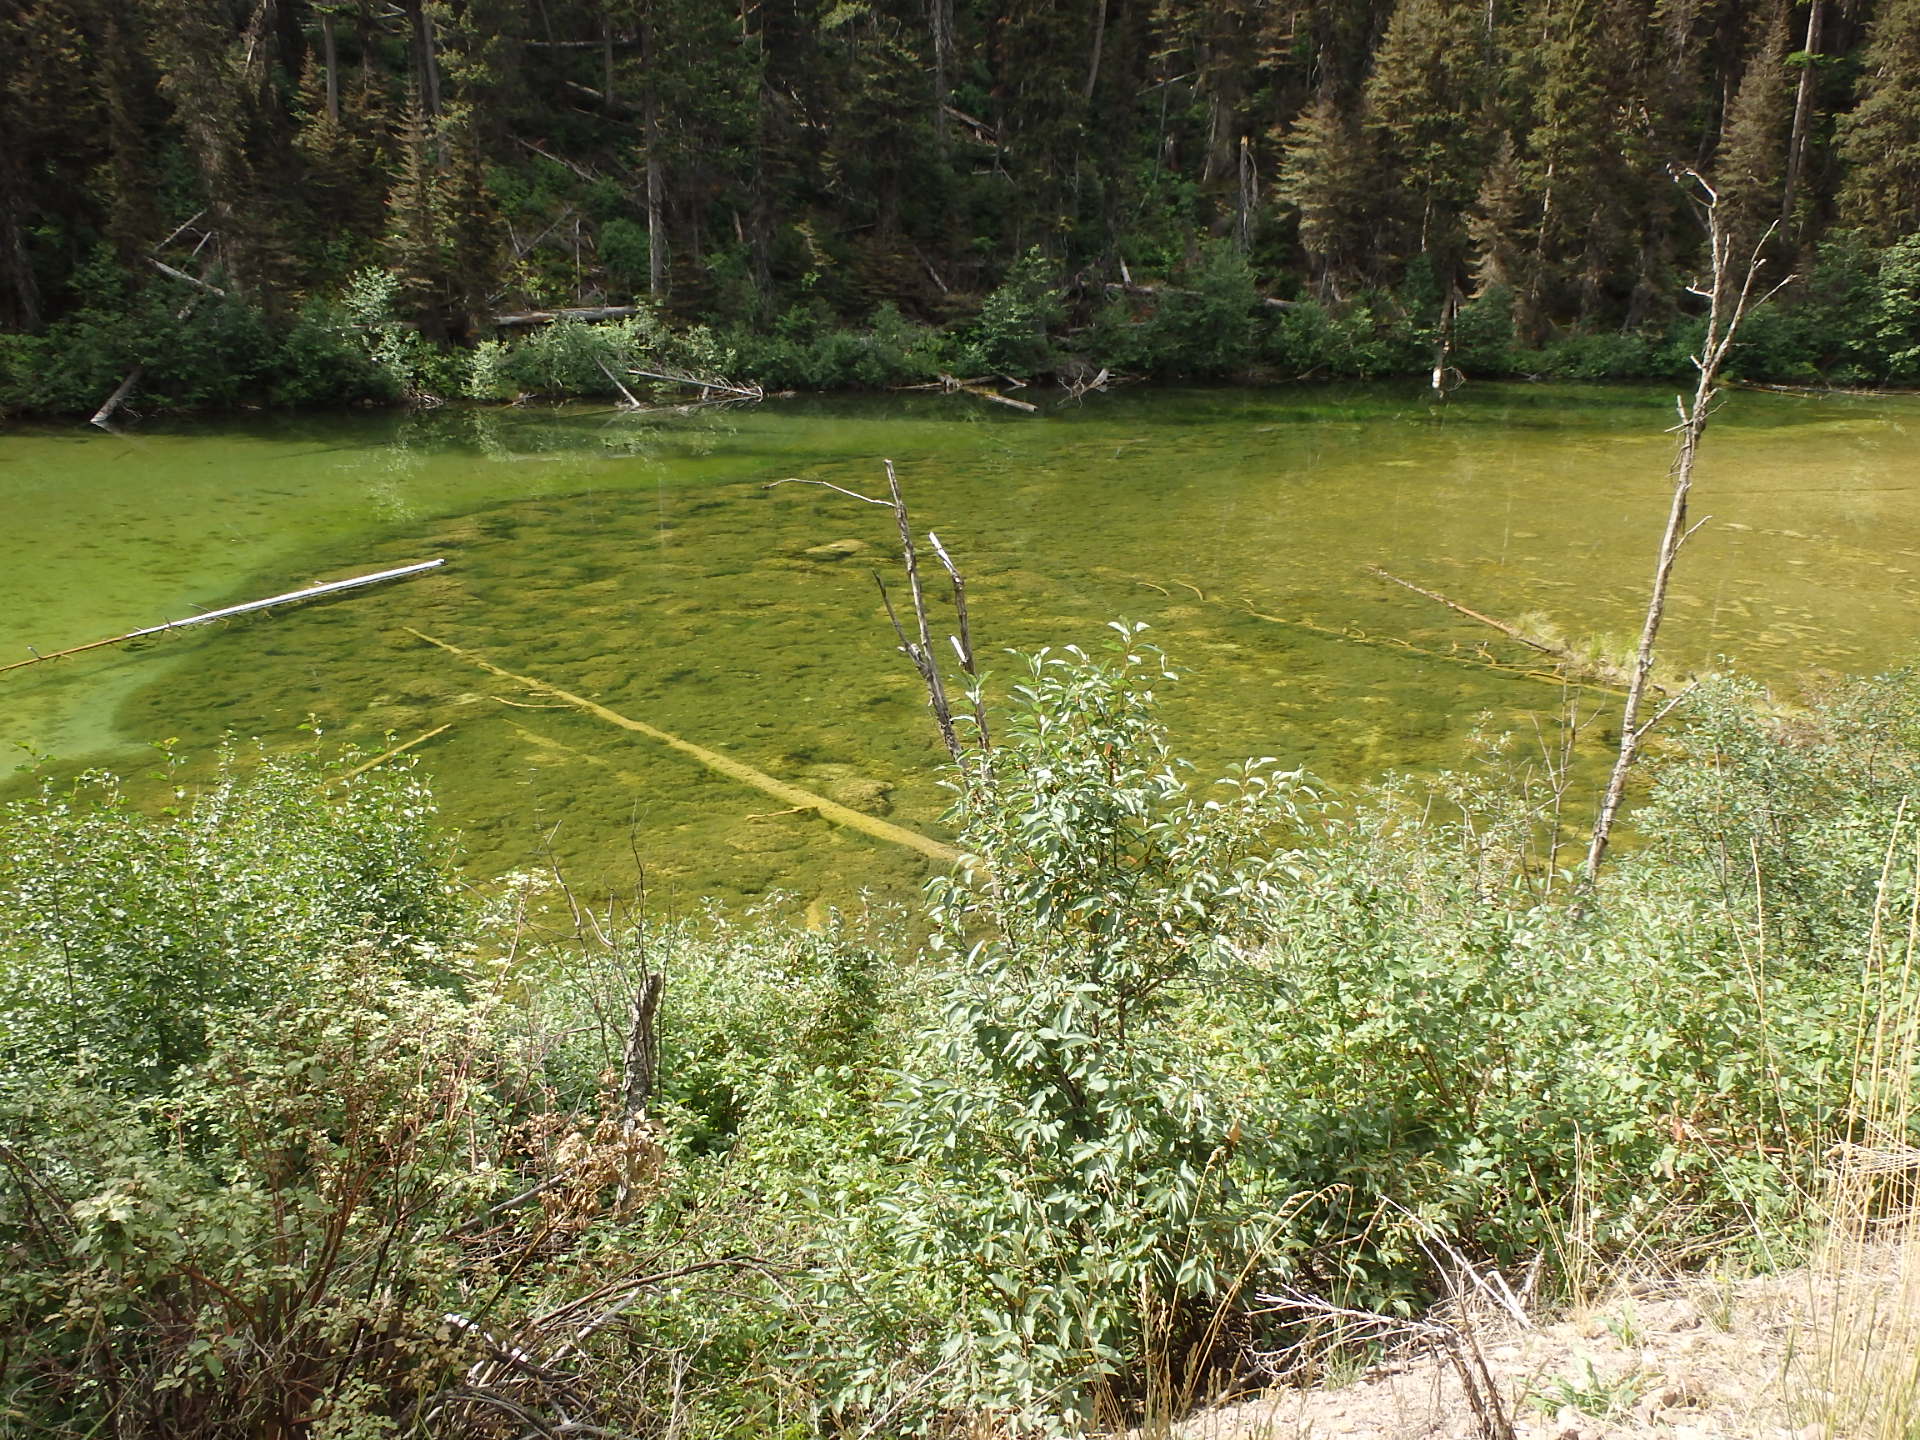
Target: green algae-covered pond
{"type": "Point", "coordinates": [640, 561]}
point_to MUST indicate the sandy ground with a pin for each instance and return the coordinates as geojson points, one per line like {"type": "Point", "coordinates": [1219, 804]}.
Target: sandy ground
{"type": "Point", "coordinates": [1824, 1353]}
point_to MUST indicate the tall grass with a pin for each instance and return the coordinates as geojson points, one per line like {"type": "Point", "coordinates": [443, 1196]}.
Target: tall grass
{"type": "Point", "coordinates": [1860, 1374]}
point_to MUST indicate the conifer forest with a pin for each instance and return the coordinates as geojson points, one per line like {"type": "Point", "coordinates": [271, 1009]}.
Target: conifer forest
{"type": "Point", "coordinates": [853, 193]}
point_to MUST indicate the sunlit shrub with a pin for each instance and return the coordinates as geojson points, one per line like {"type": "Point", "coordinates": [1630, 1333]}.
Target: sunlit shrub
{"type": "Point", "coordinates": [124, 937]}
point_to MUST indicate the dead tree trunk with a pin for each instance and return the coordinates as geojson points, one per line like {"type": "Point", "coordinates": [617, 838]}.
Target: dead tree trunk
{"type": "Point", "coordinates": [1099, 43]}
{"type": "Point", "coordinates": [919, 647]}
{"type": "Point", "coordinates": [330, 58]}
{"type": "Point", "coordinates": [1730, 299]}
{"type": "Point", "coordinates": [639, 1068]}
{"type": "Point", "coordinates": [940, 22]}
{"type": "Point", "coordinates": [656, 172]}
{"type": "Point", "coordinates": [1802, 116]}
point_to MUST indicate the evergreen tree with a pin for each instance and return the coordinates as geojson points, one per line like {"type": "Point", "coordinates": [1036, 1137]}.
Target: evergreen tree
{"type": "Point", "coordinates": [1426, 117]}
{"type": "Point", "coordinates": [1879, 141]}
{"type": "Point", "coordinates": [1750, 172]}
{"type": "Point", "coordinates": [1328, 178]}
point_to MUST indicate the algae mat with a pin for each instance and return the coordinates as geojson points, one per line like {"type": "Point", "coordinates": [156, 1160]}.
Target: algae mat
{"type": "Point", "coordinates": [640, 563]}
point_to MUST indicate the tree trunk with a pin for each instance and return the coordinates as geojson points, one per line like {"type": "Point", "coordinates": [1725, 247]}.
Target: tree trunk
{"type": "Point", "coordinates": [1099, 40]}
{"type": "Point", "coordinates": [429, 59]}
{"type": "Point", "coordinates": [606, 55]}
{"type": "Point", "coordinates": [940, 22]}
{"type": "Point", "coordinates": [656, 189]}
{"type": "Point", "coordinates": [330, 58]}
{"type": "Point", "coordinates": [22, 308]}
{"type": "Point", "coordinates": [1729, 302]}
{"type": "Point", "coordinates": [1802, 116]}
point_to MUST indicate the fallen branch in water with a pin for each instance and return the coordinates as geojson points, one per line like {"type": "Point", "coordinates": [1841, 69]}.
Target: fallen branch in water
{"type": "Point", "coordinates": [313, 592]}
{"type": "Point", "coordinates": [1512, 632]}
{"type": "Point", "coordinates": [708, 385]}
{"type": "Point", "coordinates": [828, 810]}
{"type": "Point", "coordinates": [983, 393]}
{"type": "Point", "coordinates": [953, 384]}
{"type": "Point", "coordinates": [385, 756]}
{"type": "Point", "coordinates": [1407, 647]}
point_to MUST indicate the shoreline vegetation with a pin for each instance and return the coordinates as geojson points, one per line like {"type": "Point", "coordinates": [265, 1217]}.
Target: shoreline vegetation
{"type": "Point", "coordinates": [1020, 348]}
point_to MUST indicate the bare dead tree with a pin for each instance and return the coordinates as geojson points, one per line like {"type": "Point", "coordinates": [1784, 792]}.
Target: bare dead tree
{"type": "Point", "coordinates": [919, 647]}
{"type": "Point", "coordinates": [1730, 298]}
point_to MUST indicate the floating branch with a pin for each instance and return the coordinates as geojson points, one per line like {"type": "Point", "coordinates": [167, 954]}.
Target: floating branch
{"type": "Point", "coordinates": [983, 393]}
{"type": "Point", "coordinates": [953, 384]}
{"type": "Point", "coordinates": [314, 592]}
{"type": "Point", "coordinates": [793, 795]}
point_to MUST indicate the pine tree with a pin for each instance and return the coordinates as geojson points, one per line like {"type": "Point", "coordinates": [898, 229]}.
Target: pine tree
{"type": "Point", "coordinates": [1328, 178]}
{"type": "Point", "coordinates": [1503, 228]}
{"type": "Point", "coordinates": [1751, 167]}
{"type": "Point", "coordinates": [1879, 142]}
{"type": "Point", "coordinates": [416, 231]}
{"type": "Point", "coordinates": [1425, 115]}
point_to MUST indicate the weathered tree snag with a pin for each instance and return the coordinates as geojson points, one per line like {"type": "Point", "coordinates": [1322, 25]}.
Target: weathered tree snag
{"type": "Point", "coordinates": [639, 1068]}
{"type": "Point", "coordinates": [919, 649]}
{"type": "Point", "coordinates": [940, 23]}
{"type": "Point", "coordinates": [103, 417]}
{"type": "Point", "coordinates": [1802, 114]}
{"type": "Point", "coordinates": [330, 58]}
{"type": "Point", "coordinates": [1728, 303]}
{"type": "Point", "coordinates": [1099, 41]}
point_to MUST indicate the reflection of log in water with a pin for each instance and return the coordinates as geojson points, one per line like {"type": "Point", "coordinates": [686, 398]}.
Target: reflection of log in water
{"type": "Point", "coordinates": [793, 795]}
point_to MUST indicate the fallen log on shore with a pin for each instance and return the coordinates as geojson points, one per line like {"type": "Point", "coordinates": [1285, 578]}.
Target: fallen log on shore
{"type": "Point", "coordinates": [581, 312]}
{"type": "Point", "coordinates": [312, 592]}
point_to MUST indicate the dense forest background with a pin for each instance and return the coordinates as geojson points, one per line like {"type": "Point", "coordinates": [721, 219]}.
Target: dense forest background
{"type": "Point", "coordinates": [1342, 173]}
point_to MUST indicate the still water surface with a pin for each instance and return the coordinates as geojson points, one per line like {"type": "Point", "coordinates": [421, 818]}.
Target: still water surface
{"type": "Point", "coordinates": [641, 561]}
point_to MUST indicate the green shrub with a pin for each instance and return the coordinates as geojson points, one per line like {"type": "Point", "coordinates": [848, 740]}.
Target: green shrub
{"type": "Point", "coordinates": [1011, 333]}
{"type": "Point", "coordinates": [124, 938]}
{"type": "Point", "coordinates": [1075, 1178]}
{"type": "Point", "coordinates": [1202, 325]}
{"type": "Point", "coordinates": [273, 1250]}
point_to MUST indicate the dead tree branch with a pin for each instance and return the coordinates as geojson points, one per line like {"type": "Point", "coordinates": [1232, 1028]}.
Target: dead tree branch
{"type": "Point", "coordinates": [918, 647]}
{"type": "Point", "coordinates": [1512, 632]}
{"type": "Point", "coordinates": [1730, 299]}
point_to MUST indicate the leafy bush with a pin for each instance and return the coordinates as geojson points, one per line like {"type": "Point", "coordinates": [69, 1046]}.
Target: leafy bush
{"type": "Point", "coordinates": [126, 940]}
{"type": "Point", "coordinates": [1167, 1048]}
{"type": "Point", "coordinates": [1011, 333]}
{"type": "Point", "coordinates": [1202, 325]}
{"type": "Point", "coordinates": [1362, 339]}
{"type": "Point", "coordinates": [295, 1264]}
{"type": "Point", "coordinates": [1076, 1176]}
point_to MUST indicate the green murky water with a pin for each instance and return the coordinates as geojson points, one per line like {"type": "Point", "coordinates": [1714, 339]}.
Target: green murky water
{"type": "Point", "coordinates": [641, 561]}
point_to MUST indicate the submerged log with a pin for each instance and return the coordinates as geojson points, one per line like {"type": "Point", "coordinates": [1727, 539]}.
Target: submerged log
{"type": "Point", "coordinates": [312, 592]}
{"type": "Point", "coordinates": [387, 755]}
{"type": "Point", "coordinates": [829, 810]}
{"type": "Point", "coordinates": [1512, 632]}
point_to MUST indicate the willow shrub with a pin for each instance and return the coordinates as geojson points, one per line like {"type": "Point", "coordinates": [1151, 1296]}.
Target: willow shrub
{"type": "Point", "coordinates": [1169, 1049]}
